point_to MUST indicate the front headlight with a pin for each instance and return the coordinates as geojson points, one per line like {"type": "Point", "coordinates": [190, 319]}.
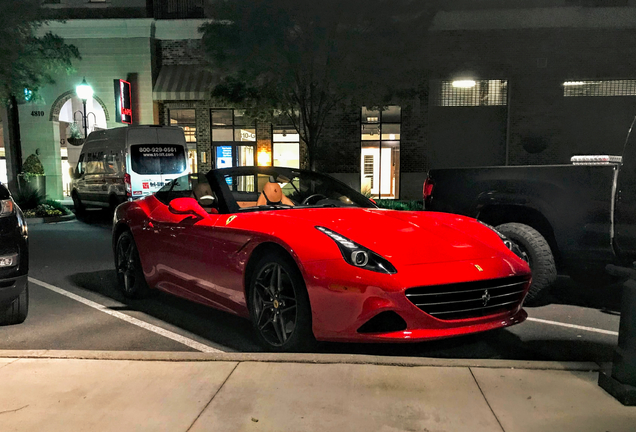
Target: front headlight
{"type": "Point", "coordinates": [357, 255]}
{"type": "Point", "coordinates": [7, 207]}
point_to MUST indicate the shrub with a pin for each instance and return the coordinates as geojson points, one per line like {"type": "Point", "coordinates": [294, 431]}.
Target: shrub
{"type": "Point", "coordinates": [43, 210]}
{"type": "Point", "coordinates": [400, 205]}
{"type": "Point", "coordinates": [28, 198]}
{"type": "Point", "coordinates": [56, 205]}
{"type": "Point", "coordinates": [32, 165]}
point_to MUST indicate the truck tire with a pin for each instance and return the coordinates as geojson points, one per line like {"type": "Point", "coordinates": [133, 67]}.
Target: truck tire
{"type": "Point", "coordinates": [540, 256]}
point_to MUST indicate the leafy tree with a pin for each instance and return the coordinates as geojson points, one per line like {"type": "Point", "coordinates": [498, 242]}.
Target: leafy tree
{"type": "Point", "coordinates": [27, 61]}
{"type": "Point", "coordinates": [306, 58]}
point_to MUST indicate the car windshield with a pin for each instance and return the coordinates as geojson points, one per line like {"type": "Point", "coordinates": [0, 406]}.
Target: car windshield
{"type": "Point", "coordinates": [253, 189]}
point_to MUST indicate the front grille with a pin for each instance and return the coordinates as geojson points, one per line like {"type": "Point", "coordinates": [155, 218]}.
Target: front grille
{"type": "Point", "coordinates": [469, 299]}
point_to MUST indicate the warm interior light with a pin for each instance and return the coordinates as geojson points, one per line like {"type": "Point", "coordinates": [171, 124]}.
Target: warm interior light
{"type": "Point", "coordinates": [264, 158]}
{"type": "Point", "coordinates": [464, 83]}
{"type": "Point", "coordinates": [84, 91]}
{"type": "Point", "coordinates": [574, 83]}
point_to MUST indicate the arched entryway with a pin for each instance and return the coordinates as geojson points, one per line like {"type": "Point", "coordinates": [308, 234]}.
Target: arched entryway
{"type": "Point", "coordinates": [68, 124]}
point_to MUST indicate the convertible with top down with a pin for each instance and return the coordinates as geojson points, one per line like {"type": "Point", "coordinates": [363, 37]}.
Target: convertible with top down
{"type": "Point", "coordinates": [305, 258]}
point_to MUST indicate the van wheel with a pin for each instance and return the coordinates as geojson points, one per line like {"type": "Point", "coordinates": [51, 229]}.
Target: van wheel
{"type": "Point", "coordinates": [113, 202]}
{"type": "Point", "coordinates": [539, 254]}
{"type": "Point", "coordinates": [77, 204]}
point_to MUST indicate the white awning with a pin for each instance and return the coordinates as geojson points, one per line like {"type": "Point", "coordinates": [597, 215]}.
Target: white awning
{"type": "Point", "coordinates": [182, 82]}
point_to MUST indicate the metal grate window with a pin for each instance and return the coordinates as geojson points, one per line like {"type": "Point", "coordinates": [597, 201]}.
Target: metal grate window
{"type": "Point", "coordinates": [599, 88]}
{"type": "Point", "coordinates": [368, 168]}
{"type": "Point", "coordinates": [471, 93]}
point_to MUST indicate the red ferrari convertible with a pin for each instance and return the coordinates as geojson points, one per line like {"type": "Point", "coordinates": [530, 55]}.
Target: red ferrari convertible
{"type": "Point", "coordinates": [305, 257]}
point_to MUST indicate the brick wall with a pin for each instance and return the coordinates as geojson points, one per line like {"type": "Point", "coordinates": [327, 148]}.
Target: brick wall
{"type": "Point", "coordinates": [183, 52]}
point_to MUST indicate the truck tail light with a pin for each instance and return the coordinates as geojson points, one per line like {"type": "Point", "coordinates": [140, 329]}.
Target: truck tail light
{"type": "Point", "coordinates": [427, 191]}
{"type": "Point", "coordinates": [128, 185]}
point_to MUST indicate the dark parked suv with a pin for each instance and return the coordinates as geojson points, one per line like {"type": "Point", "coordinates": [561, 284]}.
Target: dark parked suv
{"type": "Point", "coordinates": [14, 261]}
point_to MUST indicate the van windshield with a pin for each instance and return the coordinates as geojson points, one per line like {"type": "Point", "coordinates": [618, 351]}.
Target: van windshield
{"type": "Point", "coordinates": [158, 159]}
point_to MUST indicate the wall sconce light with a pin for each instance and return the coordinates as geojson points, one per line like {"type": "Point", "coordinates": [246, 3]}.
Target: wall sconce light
{"type": "Point", "coordinates": [464, 84]}
{"type": "Point", "coordinates": [204, 157]}
{"type": "Point", "coordinates": [264, 158]}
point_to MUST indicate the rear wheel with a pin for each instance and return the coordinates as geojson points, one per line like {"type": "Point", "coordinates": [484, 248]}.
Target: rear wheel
{"type": "Point", "coordinates": [77, 204]}
{"type": "Point", "coordinates": [279, 305]}
{"type": "Point", "coordinates": [18, 310]}
{"type": "Point", "coordinates": [539, 254]}
{"type": "Point", "coordinates": [129, 272]}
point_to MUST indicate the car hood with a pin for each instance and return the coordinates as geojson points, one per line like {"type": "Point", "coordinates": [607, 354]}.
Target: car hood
{"type": "Point", "coordinates": [408, 238]}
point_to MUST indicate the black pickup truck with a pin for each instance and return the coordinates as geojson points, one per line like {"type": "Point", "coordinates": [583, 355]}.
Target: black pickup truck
{"type": "Point", "coordinates": [573, 218]}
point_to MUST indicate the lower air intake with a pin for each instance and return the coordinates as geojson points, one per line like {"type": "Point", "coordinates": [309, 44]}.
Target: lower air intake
{"type": "Point", "coordinates": [384, 322]}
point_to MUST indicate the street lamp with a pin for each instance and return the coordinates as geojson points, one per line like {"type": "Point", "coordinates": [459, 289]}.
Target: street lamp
{"type": "Point", "coordinates": [84, 92]}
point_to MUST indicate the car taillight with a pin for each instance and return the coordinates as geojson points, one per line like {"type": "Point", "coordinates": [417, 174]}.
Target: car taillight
{"type": "Point", "coordinates": [128, 185]}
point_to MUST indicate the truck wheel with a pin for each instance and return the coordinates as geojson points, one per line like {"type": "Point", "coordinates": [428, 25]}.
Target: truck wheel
{"type": "Point", "coordinates": [540, 256]}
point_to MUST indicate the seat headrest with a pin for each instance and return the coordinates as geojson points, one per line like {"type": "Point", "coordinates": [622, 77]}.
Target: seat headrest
{"type": "Point", "coordinates": [202, 189]}
{"type": "Point", "coordinates": [273, 191]}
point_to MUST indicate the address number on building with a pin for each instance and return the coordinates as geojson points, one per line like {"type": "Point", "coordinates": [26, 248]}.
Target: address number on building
{"type": "Point", "coordinates": [37, 113]}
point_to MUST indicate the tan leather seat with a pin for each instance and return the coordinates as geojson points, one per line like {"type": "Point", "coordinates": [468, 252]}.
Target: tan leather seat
{"type": "Point", "coordinates": [202, 192]}
{"type": "Point", "coordinates": [272, 194]}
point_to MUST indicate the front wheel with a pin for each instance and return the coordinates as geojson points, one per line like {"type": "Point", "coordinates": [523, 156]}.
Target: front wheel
{"type": "Point", "coordinates": [279, 305]}
{"type": "Point", "coordinates": [18, 310]}
{"type": "Point", "coordinates": [128, 265]}
{"type": "Point", "coordinates": [540, 258]}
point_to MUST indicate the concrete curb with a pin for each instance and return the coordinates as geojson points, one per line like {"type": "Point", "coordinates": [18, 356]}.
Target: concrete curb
{"type": "Point", "coordinates": [299, 358]}
{"type": "Point", "coordinates": [50, 219]}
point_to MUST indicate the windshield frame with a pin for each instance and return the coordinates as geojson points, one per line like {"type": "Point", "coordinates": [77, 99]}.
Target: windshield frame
{"type": "Point", "coordinates": [217, 177]}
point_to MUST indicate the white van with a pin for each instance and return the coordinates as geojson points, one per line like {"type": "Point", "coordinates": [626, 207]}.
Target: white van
{"type": "Point", "coordinates": [127, 163]}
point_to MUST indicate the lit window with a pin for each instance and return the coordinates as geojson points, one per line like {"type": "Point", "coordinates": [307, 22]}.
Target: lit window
{"type": "Point", "coordinates": [575, 88]}
{"type": "Point", "coordinates": [380, 151]}
{"type": "Point", "coordinates": [466, 92]}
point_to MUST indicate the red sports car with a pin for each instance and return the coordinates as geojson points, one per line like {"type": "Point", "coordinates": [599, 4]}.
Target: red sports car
{"type": "Point", "coordinates": [305, 257]}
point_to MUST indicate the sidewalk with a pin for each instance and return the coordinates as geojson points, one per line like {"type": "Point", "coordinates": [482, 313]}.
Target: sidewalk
{"type": "Point", "coordinates": [114, 391]}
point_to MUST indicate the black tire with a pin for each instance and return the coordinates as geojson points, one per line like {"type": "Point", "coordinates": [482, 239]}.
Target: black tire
{"type": "Point", "coordinates": [128, 265]}
{"type": "Point", "coordinates": [539, 254]}
{"type": "Point", "coordinates": [77, 204]}
{"type": "Point", "coordinates": [113, 202]}
{"type": "Point", "coordinates": [18, 310]}
{"type": "Point", "coordinates": [279, 305]}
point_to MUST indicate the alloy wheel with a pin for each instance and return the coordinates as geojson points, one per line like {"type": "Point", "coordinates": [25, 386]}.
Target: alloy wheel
{"type": "Point", "coordinates": [275, 304]}
{"type": "Point", "coordinates": [126, 265]}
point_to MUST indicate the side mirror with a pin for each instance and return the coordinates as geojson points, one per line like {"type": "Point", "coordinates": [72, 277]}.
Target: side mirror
{"type": "Point", "coordinates": [72, 173]}
{"type": "Point", "coordinates": [187, 206]}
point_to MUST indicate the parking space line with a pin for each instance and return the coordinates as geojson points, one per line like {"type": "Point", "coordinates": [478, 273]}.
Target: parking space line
{"type": "Point", "coordinates": [574, 326]}
{"type": "Point", "coordinates": [139, 323]}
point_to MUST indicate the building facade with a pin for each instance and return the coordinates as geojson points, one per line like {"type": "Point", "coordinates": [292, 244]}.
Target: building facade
{"type": "Point", "coordinates": [507, 82]}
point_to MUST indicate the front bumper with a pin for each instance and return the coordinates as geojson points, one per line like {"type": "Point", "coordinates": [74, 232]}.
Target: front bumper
{"type": "Point", "coordinates": [11, 288]}
{"type": "Point", "coordinates": [344, 298]}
